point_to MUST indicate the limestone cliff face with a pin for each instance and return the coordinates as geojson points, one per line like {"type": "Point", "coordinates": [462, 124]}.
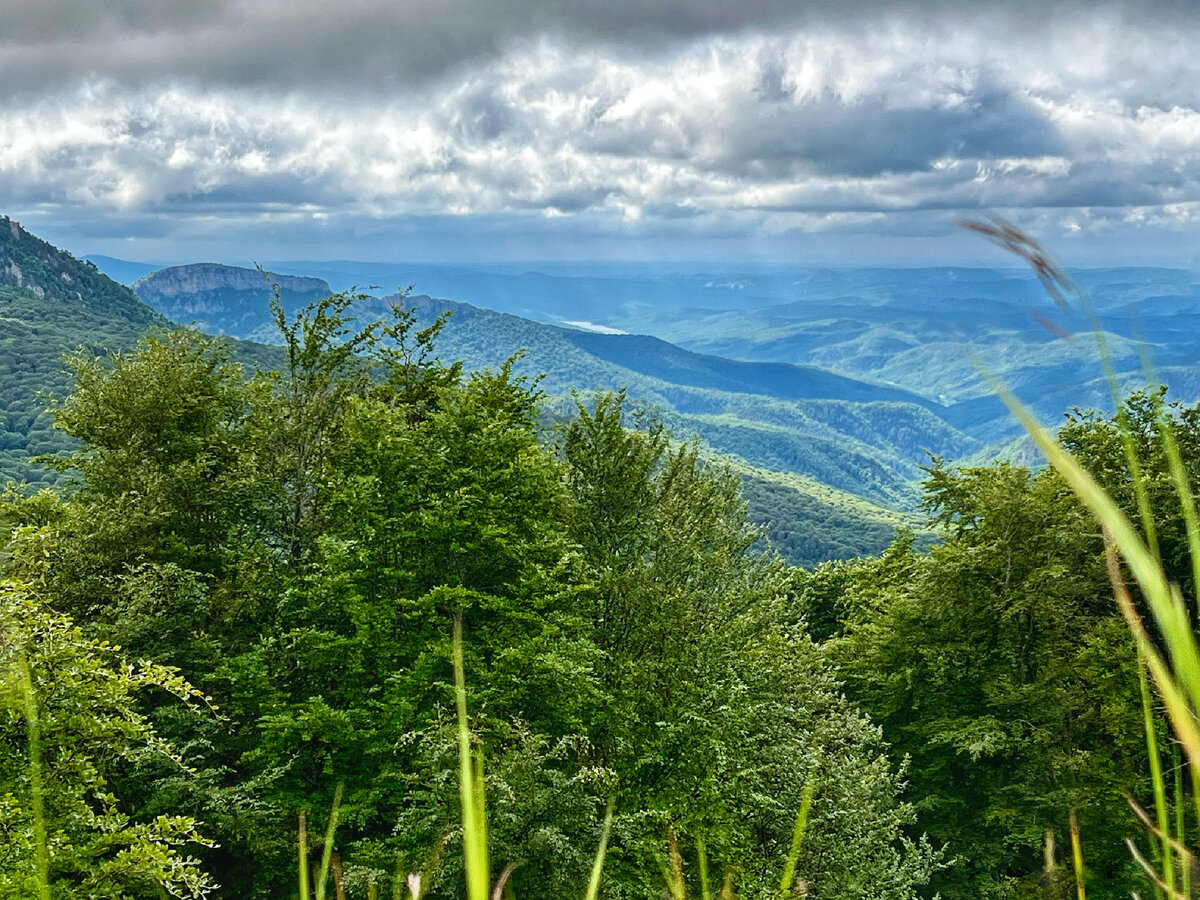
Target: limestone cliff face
{"type": "Point", "coordinates": [201, 278]}
{"type": "Point", "coordinates": [226, 299]}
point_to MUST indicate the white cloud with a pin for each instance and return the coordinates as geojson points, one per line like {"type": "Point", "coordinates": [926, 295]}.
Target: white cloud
{"type": "Point", "coordinates": [816, 128]}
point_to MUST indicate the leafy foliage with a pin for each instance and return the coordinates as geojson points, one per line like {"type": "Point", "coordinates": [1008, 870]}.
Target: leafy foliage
{"type": "Point", "coordinates": [1000, 665]}
{"type": "Point", "coordinates": [69, 722]}
{"type": "Point", "coordinates": [300, 542]}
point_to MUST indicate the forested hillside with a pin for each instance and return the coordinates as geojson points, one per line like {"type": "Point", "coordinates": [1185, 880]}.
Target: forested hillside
{"type": "Point", "coordinates": [299, 544]}
{"type": "Point", "coordinates": [50, 303]}
{"type": "Point", "coordinates": [931, 331]}
{"type": "Point", "coordinates": [922, 329]}
{"type": "Point", "coordinates": [230, 614]}
{"type": "Point", "coordinates": [866, 441]}
{"type": "Point", "coordinates": [646, 450]}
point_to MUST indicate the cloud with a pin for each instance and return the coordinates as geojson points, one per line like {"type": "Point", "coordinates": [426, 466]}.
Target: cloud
{"type": "Point", "coordinates": [378, 46]}
{"type": "Point", "coordinates": [648, 120]}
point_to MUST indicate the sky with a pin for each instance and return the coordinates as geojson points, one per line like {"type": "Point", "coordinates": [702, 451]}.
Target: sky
{"type": "Point", "coordinates": [818, 132]}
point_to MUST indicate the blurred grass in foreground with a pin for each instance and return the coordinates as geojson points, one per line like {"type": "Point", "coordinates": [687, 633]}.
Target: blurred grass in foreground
{"type": "Point", "coordinates": [1168, 652]}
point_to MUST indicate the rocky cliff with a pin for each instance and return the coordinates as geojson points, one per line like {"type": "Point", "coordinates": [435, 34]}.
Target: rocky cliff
{"type": "Point", "coordinates": [50, 274]}
{"type": "Point", "coordinates": [223, 298]}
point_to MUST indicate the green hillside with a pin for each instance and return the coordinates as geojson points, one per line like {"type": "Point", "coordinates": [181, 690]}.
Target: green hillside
{"type": "Point", "coordinates": [782, 418]}
{"type": "Point", "coordinates": [860, 437]}
{"type": "Point", "coordinates": [54, 304]}
{"type": "Point", "coordinates": [933, 332]}
{"type": "Point", "coordinates": [808, 522]}
{"type": "Point", "coordinates": [871, 449]}
{"type": "Point", "coordinates": [51, 304]}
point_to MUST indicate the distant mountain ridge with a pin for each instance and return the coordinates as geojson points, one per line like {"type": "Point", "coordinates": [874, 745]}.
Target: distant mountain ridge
{"type": "Point", "coordinates": [863, 439]}
{"type": "Point", "coordinates": [929, 331]}
{"type": "Point", "coordinates": [810, 521]}
{"type": "Point", "coordinates": [849, 378]}
{"type": "Point", "coordinates": [660, 359]}
{"type": "Point", "coordinates": [122, 271]}
{"type": "Point", "coordinates": [228, 299]}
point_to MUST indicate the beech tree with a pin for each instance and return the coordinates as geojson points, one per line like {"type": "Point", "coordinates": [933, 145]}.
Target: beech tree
{"type": "Point", "coordinates": [69, 720]}
{"type": "Point", "coordinates": [298, 543]}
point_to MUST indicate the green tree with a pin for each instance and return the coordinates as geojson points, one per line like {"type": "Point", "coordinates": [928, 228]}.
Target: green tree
{"type": "Point", "coordinates": [723, 710]}
{"type": "Point", "coordinates": [69, 719]}
{"type": "Point", "coordinates": [997, 663]}
{"type": "Point", "coordinates": [1098, 442]}
{"type": "Point", "coordinates": [162, 511]}
{"type": "Point", "coordinates": [452, 508]}
{"type": "Point", "coordinates": [299, 543]}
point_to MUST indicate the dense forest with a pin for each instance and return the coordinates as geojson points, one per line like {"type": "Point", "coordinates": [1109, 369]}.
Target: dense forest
{"type": "Point", "coordinates": [234, 612]}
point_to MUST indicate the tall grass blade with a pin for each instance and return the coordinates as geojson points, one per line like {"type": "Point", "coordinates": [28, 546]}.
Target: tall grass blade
{"type": "Point", "coordinates": [1156, 778]}
{"type": "Point", "coordinates": [1183, 490]}
{"type": "Point", "coordinates": [1185, 869]}
{"type": "Point", "coordinates": [1132, 460]}
{"type": "Point", "coordinates": [327, 851]}
{"type": "Point", "coordinates": [1180, 687]}
{"type": "Point", "coordinates": [1049, 862]}
{"type": "Point", "coordinates": [503, 888]}
{"type": "Point", "coordinates": [1179, 683]}
{"type": "Point", "coordinates": [1165, 603]}
{"type": "Point", "coordinates": [33, 733]}
{"type": "Point", "coordinates": [339, 877]}
{"type": "Point", "coordinates": [1194, 772]}
{"type": "Point", "coordinates": [1183, 721]}
{"type": "Point", "coordinates": [789, 869]}
{"type": "Point", "coordinates": [593, 888]}
{"type": "Point", "coordinates": [1077, 857]}
{"type": "Point", "coordinates": [302, 842]}
{"type": "Point", "coordinates": [1185, 855]}
{"type": "Point", "coordinates": [702, 863]}
{"type": "Point", "coordinates": [470, 782]}
{"type": "Point", "coordinates": [1151, 873]}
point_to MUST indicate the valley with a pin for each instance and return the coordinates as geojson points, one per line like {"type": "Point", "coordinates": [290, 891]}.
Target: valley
{"type": "Point", "coordinates": [835, 388]}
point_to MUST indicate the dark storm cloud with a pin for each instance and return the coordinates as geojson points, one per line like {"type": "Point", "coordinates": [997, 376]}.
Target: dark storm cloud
{"type": "Point", "coordinates": [869, 138]}
{"type": "Point", "coordinates": [246, 193]}
{"type": "Point", "coordinates": [374, 46]}
{"type": "Point", "coordinates": [484, 115]}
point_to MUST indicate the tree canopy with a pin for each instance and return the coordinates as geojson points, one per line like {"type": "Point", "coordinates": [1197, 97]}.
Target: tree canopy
{"type": "Point", "coordinates": [296, 545]}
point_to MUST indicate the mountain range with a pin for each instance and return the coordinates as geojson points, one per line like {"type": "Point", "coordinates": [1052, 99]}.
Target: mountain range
{"type": "Point", "coordinates": [866, 439]}
{"type": "Point", "coordinates": [828, 390]}
{"type": "Point", "coordinates": [935, 332]}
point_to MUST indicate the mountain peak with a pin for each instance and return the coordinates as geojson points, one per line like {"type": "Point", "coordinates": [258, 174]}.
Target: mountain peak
{"type": "Point", "coordinates": [196, 278]}
{"type": "Point", "coordinates": [31, 264]}
{"type": "Point", "coordinates": [236, 297]}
